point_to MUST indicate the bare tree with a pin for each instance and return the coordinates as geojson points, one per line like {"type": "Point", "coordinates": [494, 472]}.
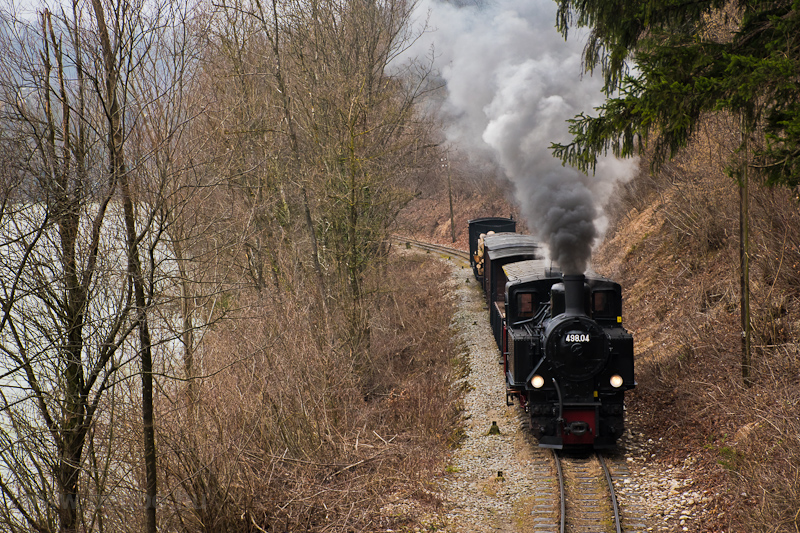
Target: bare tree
{"type": "Point", "coordinates": [85, 259]}
{"type": "Point", "coordinates": [66, 311]}
{"type": "Point", "coordinates": [337, 123]}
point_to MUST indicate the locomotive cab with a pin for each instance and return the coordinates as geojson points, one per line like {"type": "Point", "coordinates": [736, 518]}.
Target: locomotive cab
{"type": "Point", "coordinates": [527, 303]}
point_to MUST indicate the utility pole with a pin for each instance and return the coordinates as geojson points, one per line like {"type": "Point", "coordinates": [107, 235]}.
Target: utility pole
{"type": "Point", "coordinates": [744, 258]}
{"type": "Point", "coordinates": [446, 164]}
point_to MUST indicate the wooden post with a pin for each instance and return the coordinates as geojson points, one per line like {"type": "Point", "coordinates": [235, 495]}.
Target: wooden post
{"type": "Point", "coordinates": [446, 163]}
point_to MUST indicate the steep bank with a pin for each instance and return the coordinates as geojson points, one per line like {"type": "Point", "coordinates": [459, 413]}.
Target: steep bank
{"type": "Point", "coordinates": [674, 247]}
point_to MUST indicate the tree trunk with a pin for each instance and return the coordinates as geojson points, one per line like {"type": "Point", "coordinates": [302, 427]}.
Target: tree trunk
{"type": "Point", "coordinates": [119, 175]}
{"type": "Point", "coordinates": [187, 331]}
{"type": "Point", "coordinates": [450, 195]}
{"type": "Point", "coordinates": [744, 262]}
{"type": "Point", "coordinates": [148, 427]}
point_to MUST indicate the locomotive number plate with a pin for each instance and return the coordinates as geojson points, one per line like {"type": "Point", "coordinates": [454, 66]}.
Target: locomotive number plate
{"type": "Point", "coordinates": [577, 337]}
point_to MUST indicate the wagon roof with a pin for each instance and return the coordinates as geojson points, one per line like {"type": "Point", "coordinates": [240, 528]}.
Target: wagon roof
{"type": "Point", "coordinates": [530, 270]}
{"type": "Point", "coordinates": [536, 269]}
{"type": "Point", "coordinates": [509, 244]}
{"type": "Point", "coordinates": [490, 219]}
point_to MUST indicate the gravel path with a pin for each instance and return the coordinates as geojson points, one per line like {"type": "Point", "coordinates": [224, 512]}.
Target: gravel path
{"type": "Point", "coordinates": [476, 499]}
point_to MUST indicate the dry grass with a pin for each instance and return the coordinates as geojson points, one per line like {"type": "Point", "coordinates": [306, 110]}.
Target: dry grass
{"type": "Point", "coordinates": [293, 431]}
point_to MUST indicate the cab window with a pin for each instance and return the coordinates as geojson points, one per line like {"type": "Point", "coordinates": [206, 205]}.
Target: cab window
{"type": "Point", "coordinates": [524, 305]}
{"type": "Point", "coordinates": [603, 304]}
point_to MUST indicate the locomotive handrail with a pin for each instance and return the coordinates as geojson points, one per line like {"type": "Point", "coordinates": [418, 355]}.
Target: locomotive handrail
{"type": "Point", "coordinates": [560, 403]}
{"type": "Point", "coordinates": [523, 322]}
{"type": "Point", "coordinates": [536, 318]}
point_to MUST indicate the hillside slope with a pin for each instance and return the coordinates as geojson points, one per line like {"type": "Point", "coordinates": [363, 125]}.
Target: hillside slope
{"type": "Point", "coordinates": [674, 247]}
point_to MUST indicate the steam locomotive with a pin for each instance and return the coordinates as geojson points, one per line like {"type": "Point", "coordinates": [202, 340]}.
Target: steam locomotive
{"type": "Point", "coordinates": [567, 360]}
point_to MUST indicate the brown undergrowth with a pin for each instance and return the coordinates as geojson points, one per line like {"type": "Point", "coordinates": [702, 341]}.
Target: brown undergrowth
{"type": "Point", "coordinates": [291, 433]}
{"type": "Point", "coordinates": [674, 249]}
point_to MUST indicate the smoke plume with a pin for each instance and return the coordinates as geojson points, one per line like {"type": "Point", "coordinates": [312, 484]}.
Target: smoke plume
{"type": "Point", "coordinates": [512, 82]}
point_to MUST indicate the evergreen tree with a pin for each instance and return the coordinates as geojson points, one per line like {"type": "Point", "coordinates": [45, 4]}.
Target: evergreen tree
{"type": "Point", "coordinates": [691, 57]}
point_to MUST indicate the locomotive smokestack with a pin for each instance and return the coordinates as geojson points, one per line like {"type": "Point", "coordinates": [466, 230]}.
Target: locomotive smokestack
{"type": "Point", "coordinates": [574, 297]}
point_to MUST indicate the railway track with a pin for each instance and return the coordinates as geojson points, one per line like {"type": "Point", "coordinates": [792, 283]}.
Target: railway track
{"type": "Point", "coordinates": [575, 494]}
{"type": "Point", "coordinates": [445, 251]}
{"type": "Point", "coordinates": [588, 500]}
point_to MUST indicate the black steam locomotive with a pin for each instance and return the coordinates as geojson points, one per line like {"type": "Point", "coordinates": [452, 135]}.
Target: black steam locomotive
{"type": "Point", "coordinates": [566, 357]}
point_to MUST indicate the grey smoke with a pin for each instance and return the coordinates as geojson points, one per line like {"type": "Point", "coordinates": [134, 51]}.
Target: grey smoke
{"type": "Point", "coordinates": [512, 82]}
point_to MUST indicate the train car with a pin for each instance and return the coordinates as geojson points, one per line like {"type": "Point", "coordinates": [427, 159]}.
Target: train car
{"type": "Point", "coordinates": [479, 227]}
{"type": "Point", "coordinates": [499, 250]}
{"type": "Point", "coordinates": [567, 358]}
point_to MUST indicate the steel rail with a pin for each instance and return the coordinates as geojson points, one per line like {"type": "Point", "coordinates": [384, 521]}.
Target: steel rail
{"type": "Point", "coordinates": [614, 503]}
{"type": "Point", "coordinates": [562, 493]}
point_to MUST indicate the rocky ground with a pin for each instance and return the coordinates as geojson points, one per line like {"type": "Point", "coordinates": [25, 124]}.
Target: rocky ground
{"type": "Point", "coordinates": [490, 483]}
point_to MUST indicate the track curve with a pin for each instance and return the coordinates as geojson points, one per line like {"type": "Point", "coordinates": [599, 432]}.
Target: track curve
{"type": "Point", "coordinates": [446, 251]}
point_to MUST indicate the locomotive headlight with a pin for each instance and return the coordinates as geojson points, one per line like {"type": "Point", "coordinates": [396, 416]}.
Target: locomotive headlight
{"type": "Point", "coordinates": [616, 381]}
{"type": "Point", "coordinates": [537, 381]}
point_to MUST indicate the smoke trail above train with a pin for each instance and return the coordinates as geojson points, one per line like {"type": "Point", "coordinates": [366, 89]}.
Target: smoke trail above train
{"type": "Point", "coordinates": [512, 81]}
